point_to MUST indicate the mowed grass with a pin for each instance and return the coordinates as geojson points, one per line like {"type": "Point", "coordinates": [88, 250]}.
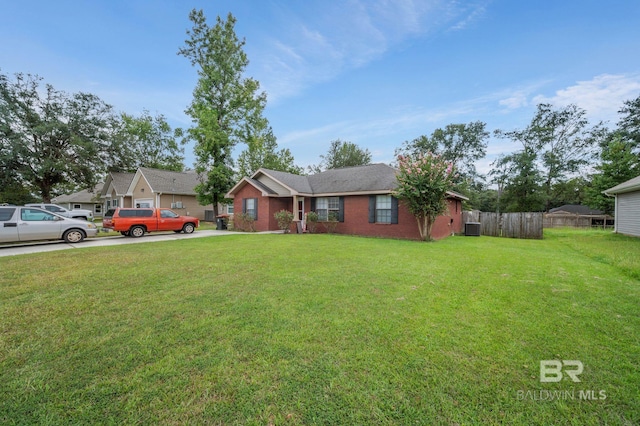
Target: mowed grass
{"type": "Point", "coordinates": [323, 329]}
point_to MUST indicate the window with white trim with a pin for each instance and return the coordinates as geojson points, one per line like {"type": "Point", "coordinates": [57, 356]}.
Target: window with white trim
{"type": "Point", "coordinates": [325, 206]}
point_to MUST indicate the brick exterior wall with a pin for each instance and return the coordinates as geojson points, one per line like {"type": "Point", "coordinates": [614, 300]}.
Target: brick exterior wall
{"type": "Point", "coordinates": [356, 216]}
{"type": "Point", "coordinates": [267, 207]}
{"type": "Point", "coordinates": [356, 221]}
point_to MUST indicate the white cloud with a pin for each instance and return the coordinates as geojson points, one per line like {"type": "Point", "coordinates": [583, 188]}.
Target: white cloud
{"type": "Point", "coordinates": [601, 97]}
{"type": "Point", "coordinates": [316, 48]}
{"type": "Point", "coordinates": [518, 100]}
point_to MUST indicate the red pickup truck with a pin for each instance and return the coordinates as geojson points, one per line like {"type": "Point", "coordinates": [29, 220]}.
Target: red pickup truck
{"type": "Point", "coordinates": [136, 222]}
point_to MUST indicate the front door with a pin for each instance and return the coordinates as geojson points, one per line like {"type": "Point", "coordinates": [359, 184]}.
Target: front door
{"type": "Point", "coordinates": [300, 209]}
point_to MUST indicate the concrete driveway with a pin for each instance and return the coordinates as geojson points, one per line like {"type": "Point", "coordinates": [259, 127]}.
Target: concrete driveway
{"type": "Point", "coordinates": [38, 247]}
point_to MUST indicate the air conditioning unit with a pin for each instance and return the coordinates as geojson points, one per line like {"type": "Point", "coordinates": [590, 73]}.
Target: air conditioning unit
{"type": "Point", "coordinates": [472, 229]}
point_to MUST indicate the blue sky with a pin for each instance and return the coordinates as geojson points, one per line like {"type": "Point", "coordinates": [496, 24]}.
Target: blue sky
{"type": "Point", "coordinates": [373, 72]}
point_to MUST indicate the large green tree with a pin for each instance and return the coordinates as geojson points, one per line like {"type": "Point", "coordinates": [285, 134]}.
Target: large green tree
{"type": "Point", "coordinates": [262, 152]}
{"type": "Point", "coordinates": [52, 141]}
{"type": "Point", "coordinates": [225, 105]}
{"type": "Point", "coordinates": [460, 144]}
{"type": "Point", "coordinates": [145, 141]}
{"type": "Point", "coordinates": [562, 142]}
{"type": "Point", "coordinates": [519, 182]}
{"type": "Point", "coordinates": [618, 163]}
{"type": "Point", "coordinates": [629, 124]}
{"type": "Point", "coordinates": [342, 154]}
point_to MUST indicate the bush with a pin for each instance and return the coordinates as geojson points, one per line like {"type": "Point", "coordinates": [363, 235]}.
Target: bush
{"type": "Point", "coordinates": [332, 223]}
{"type": "Point", "coordinates": [244, 222]}
{"type": "Point", "coordinates": [312, 222]}
{"type": "Point", "coordinates": [285, 219]}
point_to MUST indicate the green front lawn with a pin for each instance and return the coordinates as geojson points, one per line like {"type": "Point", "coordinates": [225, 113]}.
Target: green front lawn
{"type": "Point", "coordinates": [323, 329]}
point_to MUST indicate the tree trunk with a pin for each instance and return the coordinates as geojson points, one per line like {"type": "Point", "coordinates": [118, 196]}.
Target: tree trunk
{"type": "Point", "coordinates": [215, 206]}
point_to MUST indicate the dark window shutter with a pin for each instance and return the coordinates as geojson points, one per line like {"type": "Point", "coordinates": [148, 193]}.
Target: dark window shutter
{"type": "Point", "coordinates": [313, 205]}
{"type": "Point", "coordinates": [341, 211]}
{"type": "Point", "coordinates": [244, 205]}
{"type": "Point", "coordinates": [372, 208]}
{"type": "Point", "coordinates": [394, 209]}
{"type": "Point", "coordinates": [255, 203]}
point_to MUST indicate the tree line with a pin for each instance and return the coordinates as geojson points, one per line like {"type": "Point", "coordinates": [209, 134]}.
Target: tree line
{"type": "Point", "coordinates": [53, 142]}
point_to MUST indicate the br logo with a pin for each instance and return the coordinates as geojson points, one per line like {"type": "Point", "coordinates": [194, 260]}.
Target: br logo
{"type": "Point", "coordinates": [551, 370]}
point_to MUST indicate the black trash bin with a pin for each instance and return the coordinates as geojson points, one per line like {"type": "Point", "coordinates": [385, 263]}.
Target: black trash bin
{"type": "Point", "coordinates": [221, 224]}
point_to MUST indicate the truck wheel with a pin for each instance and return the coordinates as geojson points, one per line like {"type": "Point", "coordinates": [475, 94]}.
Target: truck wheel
{"type": "Point", "coordinates": [188, 228]}
{"type": "Point", "coordinates": [136, 231]}
{"type": "Point", "coordinates": [73, 236]}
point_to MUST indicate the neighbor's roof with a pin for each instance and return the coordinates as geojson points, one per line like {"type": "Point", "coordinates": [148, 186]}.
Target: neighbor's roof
{"type": "Point", "coordinates": [119, 181]}
{"type": "Point", "coordinates": [84, 196]}
{"type": "Point", "coordinates": [170, 182]}
{"type": "Point", "coordinates": [576, 209]}
{"type": "Point", "coordinates": [373, 178]}
{"type": "Point", "coordinates": [628, 186]}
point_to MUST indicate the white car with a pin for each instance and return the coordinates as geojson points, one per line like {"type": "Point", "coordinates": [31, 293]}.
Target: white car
{"type": "Point", "coordinates": [18, 224]}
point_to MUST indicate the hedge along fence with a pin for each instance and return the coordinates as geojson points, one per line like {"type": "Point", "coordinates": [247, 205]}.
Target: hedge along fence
{"type": "Point", "coordinates": [525, 225]}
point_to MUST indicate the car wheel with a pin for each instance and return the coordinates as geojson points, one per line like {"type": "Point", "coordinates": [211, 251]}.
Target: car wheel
{"type": "Point", "coordinates": [188, 228]}
{"type": "Point", "coordinates": [73, 236]}
{"type": "Point", "coordinates": [136, 231]}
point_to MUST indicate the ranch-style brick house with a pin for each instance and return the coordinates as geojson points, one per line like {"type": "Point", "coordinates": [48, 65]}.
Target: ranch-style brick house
{"type": "Point", "coordinates": [361, 197]}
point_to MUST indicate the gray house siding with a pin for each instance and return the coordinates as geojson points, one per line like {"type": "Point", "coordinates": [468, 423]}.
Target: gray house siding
{"type": "Point", "coordinates": [628, 213]}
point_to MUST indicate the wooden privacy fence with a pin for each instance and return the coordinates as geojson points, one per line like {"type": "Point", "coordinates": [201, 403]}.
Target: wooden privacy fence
{"type": "Point", "coordinates": [526, 225]}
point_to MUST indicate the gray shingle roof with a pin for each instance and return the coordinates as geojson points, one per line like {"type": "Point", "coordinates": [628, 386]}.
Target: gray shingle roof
{"type": "Point", "coordinates": [628, 186]}
{"type": "Point", "coordinates": [83, 196]}
{"type": "Point", "coordinates": [170, 182]}
{"type": "Point", "coordinates": [121, 181]}
{"type": "Point", "coordinates": [295, 182]}
{"type": "Point", "coordinates": [576, 209]}
{"type": "Point", "coordinates": [369, 178]}
{"type": "Point", "coordinates": [373, 177]}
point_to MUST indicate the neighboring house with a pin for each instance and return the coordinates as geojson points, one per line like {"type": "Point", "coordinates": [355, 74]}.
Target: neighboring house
{"type": "Point", "coordinates": [114, 191]}
{"type": "Point", "coordinates": [627, 205]}
{"type": "Point", "coordinates": [359, 196]}
{"type": "Point", "coordinates": [157, 188]}
{"type": "Point", "coordinates": [577, 216]}
{"type": "Point", "coordinates": [88, 200]}
{"type": "Point", "coordinates": [575, 209]}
